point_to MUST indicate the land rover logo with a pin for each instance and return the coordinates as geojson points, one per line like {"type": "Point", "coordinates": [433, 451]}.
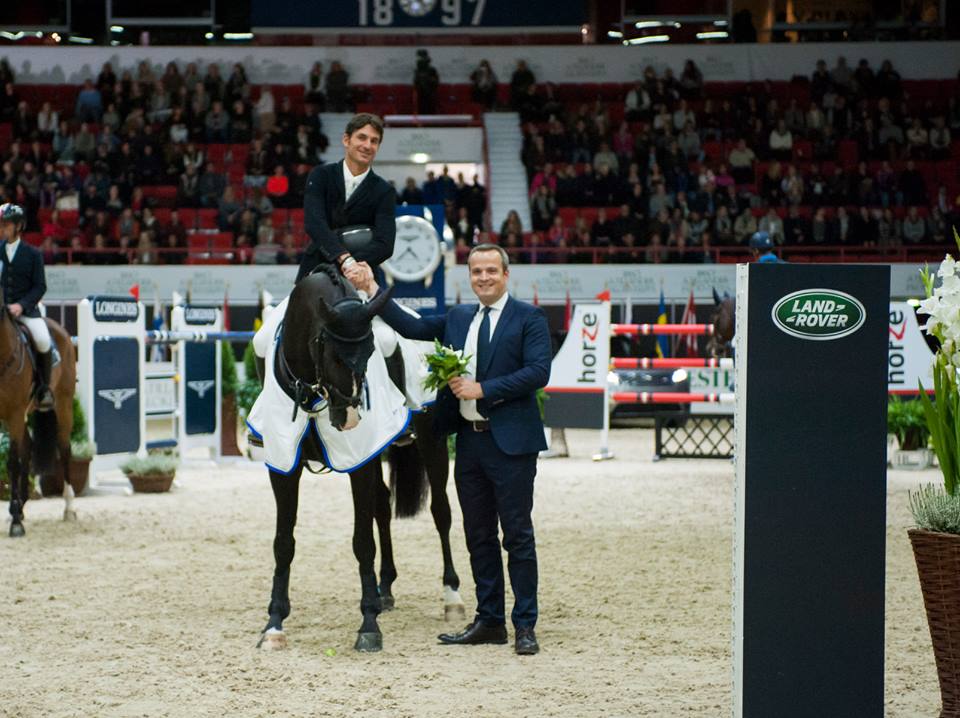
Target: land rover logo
{"type": "Point", "coordinates": [818, 314]}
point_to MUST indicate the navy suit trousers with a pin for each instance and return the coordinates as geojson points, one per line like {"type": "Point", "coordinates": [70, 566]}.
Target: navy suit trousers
{"type": "Point", "coordinates": [497, 487]}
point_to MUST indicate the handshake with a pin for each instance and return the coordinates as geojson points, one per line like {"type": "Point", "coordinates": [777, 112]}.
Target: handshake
{"type": "Point", "coordinates": [360, 275]}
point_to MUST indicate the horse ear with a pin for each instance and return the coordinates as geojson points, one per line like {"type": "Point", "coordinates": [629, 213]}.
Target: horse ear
{"type": "Point", "coordinates": [716, 296]}
{"type": "Point", "coordinates": [376, 305]}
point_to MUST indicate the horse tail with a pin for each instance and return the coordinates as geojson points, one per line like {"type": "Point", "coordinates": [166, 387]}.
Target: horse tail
{"type": "Point", "coordinates": [44, 452]}
{"type": "Point", "coordinates": [408, 480]}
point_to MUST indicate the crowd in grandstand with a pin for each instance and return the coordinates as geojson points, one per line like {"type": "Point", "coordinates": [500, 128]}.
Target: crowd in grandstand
{"type": "Point", "coordinates": [844, 157]}
{"type": "Point", "coordinates": [137, 165]}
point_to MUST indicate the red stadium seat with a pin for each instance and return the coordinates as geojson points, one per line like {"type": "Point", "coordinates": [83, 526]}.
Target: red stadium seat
{"type": "Point", "coordinates": [206, 219]}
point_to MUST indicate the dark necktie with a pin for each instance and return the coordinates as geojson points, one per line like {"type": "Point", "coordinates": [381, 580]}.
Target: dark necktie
{"type": "Point", "coordinates": [483, 341]}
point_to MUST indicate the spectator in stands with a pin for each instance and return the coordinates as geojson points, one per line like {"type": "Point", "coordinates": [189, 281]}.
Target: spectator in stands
{"type": "Point", "coordinates": [912, 186]}
{"type": "Point", "coordinates": [691, 81]}
{"type": "Point", "coordinates": [913, 229]}
{"type": "Point", "coordinates": [313, 86]}
{"type": "Point", "coordinates": [425, 84]}
{"type": "Point", "coordinates": [520, 82]}
{"type": "Point", "coordinates": [265, 115]}
{"type": "Point", "coordinates": [940, 139]}
{"type": "Point", "coordinates": [238, 86]}
{"type": "Point", "coordinates": [543, 208]}
{"type": "Point", "coordinates": [744, 226]}
{"type": "Point", "coordinates": [338, 92]}
{"type": "Point", "coordinates": [936, 226]}
{"type": "Point", "coordinates": [289, 254]}
{"type": "Point", "coordinates": [689, 143]}
{"type": "Point", "coordinates": [511, 224]}
{"type": "Point", "coordinates": [772, 225]}
{"type": "Point", "coordinates": [888, 81]}
{"type": "Point", "coordinates": [188, 189]}
{"type": "Point", "coordinates": [89, 105]}
{"type": "Point", "coordinates": [411, 194]}
{"type": "Point", "coordinates": [888, 230]}
{"type": "Point", "coordinates": [217, 123]}
{"type": "Point", "coordinates": [228, 210]}
{"type": "Point", "coordinates": [781, 141]}
{"type": "Point", "coordinates": [484, 85]}
{"type": "Point", "coordinates": [918, 140]}
{"type": "Point", "coordinates": [637, 105]}
{"type": "Point", "coordinates": [741, 161]}
{"type": "Point", "coordinates": [463, 228]}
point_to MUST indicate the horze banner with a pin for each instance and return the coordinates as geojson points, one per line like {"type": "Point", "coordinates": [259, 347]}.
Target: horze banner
{"type": "Point", "coordinates": [578, 375]}
{"type": "Point", "coordinates": [909, 358]}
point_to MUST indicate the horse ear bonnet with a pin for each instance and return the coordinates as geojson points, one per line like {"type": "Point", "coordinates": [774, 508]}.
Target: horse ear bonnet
{"type": "Point", "coordinates": [350, 334]}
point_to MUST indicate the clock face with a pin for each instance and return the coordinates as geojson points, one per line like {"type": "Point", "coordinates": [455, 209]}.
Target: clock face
{"type": "Point", "coordinates": [417, 8]}
{"type": "Point", "coordinates": [416, 252]}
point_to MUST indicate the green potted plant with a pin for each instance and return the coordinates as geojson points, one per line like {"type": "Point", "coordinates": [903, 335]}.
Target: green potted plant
{"type": "Point", "coordinates": [228, 401]}
{"type": "Point", "coordinates": [907, 421]}
{"type": "Point", "coordinates": [936, 509]}
{"type": "Point", "coordinates": [153, 473]}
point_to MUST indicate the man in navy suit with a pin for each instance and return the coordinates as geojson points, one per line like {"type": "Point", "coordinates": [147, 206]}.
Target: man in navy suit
{"type": "Point", "coordinates": [23, 282]}
{"type": "Point", "coordinates": [349, 195]}
{"type": "Point", "coordinates": [493, 411]}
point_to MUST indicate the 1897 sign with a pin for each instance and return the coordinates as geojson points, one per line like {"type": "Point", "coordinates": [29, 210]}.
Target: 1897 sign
{"type": "Point", "coordinates": [418, 14]}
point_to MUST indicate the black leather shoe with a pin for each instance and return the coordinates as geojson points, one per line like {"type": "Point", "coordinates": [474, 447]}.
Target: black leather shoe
{"type": "Point", "coordinates": [474, 634]}
{"type": "Point", "coordinates": [526, 643]}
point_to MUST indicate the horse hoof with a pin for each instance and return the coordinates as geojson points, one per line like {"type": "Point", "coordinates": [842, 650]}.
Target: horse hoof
{"type": "Point", "coordinates": [387, 603]}
{"type": "Point", "coordinates": [69, 515]}
{"type": "Point", "coordinates": [455, 612]}
{"type": "Point", "coordinates": [17, 530]}
{"type": "Point", "coordinates": [368, 642]}
{"type": "Point", "coordinates": [272, 640]}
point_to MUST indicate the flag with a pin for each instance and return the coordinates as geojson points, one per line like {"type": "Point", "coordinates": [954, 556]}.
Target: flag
{"type": "Point", "coordinates": [536, 297]}
{"type": "Point", "coordinates": [567, 313]}
{"type": "Point", "coordinates": [226, 308]}
{"type": "Point", "coordinates": [689, 344]}
{"type": "Point", "coordinates": [261, 303]}
{"type": "Point", "coordinates": [604, 296]}
{"type": "Point", "coordinates": [135, 291]}
{"type": "Point", "coordinates": [663, 344]}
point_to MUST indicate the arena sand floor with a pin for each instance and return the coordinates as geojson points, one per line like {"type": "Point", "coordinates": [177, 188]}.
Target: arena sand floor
{"type": "Point", "coordinates": [151, 605]}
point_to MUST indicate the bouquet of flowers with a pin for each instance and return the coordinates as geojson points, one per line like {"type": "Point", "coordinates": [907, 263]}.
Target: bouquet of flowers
{"type": "Point", "coordinates": [943, 412]}
{"type": "Point", "coordinates": [444, 364]}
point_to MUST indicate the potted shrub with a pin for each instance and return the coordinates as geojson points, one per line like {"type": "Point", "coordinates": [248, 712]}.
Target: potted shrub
{"type": "Point", "coordinates": [907, 421]}
{"type": "Point", "coordinates": [228, 401]}
{"type": "Point", "coordinates": [936, 509]}
{"type": "Point", "coordinates": [82, 451]}
{"type": "Point", "coordinates": [153, 473]}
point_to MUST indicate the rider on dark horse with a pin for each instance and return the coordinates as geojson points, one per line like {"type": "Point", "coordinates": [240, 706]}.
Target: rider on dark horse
{"type": "Point", "coordinates": [24, 285]}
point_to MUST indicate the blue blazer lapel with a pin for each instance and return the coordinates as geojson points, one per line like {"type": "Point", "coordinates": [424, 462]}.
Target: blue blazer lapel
{"type": "Point", "coordinates": [497, 333]}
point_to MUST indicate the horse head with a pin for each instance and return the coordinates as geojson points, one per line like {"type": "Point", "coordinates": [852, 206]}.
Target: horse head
{"type": "Point", "coordinates": [338, 327]}
{"type": "Point", "coordinates": [724, 326]}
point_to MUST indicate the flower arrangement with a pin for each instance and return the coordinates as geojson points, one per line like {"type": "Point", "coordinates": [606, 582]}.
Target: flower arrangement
{"type": "Point", "coordinates": [444, 364]}
{"type": "Point", "coordinates": [942, 305]}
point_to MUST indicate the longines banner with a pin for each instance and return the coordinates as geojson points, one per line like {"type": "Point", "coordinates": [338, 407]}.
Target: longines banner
{"type": "Point", "coordinates": [636, 283]}
{"type": "Point", "coordinates": [446, 144]}
{"type": "Point", "coordinates": [566, 64]}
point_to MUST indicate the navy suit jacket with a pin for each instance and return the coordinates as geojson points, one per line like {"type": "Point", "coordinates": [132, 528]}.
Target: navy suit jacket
{"type": "Point", "coordinates": [518, 364]}
{"type": "Point", "coordinates": [23, 281]}
{"type": "Point", "coordinates": [325, 211]}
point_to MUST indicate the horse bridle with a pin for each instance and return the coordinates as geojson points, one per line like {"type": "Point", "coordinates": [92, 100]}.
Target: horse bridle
{"type": "Point", "coordinates": [304, 391]}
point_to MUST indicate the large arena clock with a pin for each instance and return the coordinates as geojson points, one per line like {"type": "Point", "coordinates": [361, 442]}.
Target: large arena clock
{"type": "Point", "coordinates": [416, 252]}
{"type": "Point", "coordinates": [416, 14]}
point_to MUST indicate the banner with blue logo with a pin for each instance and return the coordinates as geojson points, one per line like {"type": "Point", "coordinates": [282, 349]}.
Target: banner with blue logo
{"type": "Point", "coordinates": [116, 395]}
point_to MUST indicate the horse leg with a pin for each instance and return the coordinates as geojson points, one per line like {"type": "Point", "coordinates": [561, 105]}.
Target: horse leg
{"type": "Point", "coordinates": [64, 428]}
{"type": "Point", "coordinates": [286, 493]}
{"type": "Point", "coordinates": [363, 485]}
{"type": "Point", "coordinates": [17, 469]}
{"type": "Point", "coordinates": [436, 460]}
{"type": "Point", "coordinates": [388, 570]}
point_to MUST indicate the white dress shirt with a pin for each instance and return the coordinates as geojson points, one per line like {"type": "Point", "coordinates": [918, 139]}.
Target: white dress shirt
{"type": "Point", "coordinates": [12, 250]}
{"type": "Point", "coordinates": [350, 183]}
{"type": "Point", "coordinates": [468, 407]}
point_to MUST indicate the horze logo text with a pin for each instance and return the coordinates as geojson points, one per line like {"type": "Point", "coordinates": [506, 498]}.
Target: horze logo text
{"type": "Point", "coordinates": [819, 314]}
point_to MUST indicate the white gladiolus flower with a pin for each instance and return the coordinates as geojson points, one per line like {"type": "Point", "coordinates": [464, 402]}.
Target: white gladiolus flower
{"type": "Point", "coordinates": [947, 267]}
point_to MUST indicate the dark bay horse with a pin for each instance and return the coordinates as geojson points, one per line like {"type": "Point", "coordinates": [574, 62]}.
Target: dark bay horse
{"type": "Point", "coordinates": [326, 342]}
{"type": "Point", "coordinates": [720, 344]}
{"type": "Point", "coordinates": [48, 449]}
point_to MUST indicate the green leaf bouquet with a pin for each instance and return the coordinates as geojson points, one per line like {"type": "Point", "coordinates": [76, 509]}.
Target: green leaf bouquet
{"type": "Point", "coordinates": [444, 364]}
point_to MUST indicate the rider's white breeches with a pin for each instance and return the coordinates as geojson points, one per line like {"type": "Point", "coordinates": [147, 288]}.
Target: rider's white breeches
{"type": "Point", "coordinates": [39, 332]}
